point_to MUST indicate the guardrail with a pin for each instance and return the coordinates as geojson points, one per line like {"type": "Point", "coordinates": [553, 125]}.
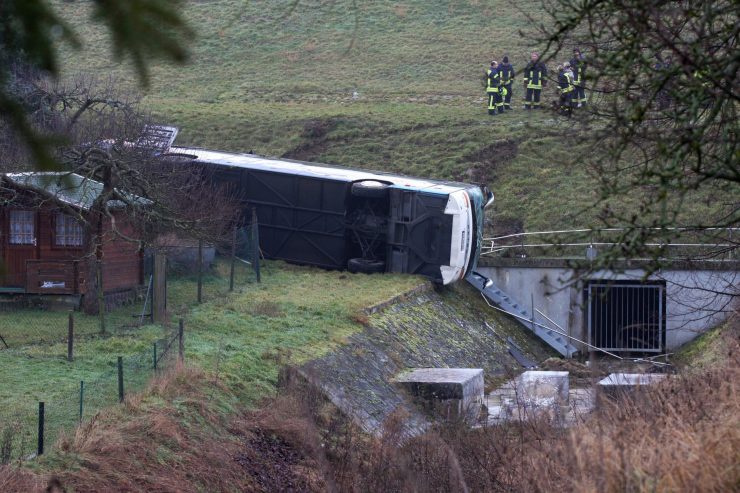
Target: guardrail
{"type": "Point", "coordinates": [674, 243]}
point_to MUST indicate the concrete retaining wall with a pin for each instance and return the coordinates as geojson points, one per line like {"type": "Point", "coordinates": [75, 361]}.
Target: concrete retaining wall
{"type": "Point", "coordinates": [425, 328]}
{"type": "Point", "coordinates": [696, 298]}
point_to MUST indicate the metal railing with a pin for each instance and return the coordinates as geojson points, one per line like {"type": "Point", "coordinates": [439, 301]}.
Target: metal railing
{"type": "Point", "coordinates": [676, 243]}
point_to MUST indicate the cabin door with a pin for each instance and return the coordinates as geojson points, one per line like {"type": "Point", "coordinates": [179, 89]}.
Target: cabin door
{"type": "Point", "coordinates": [21, 233]}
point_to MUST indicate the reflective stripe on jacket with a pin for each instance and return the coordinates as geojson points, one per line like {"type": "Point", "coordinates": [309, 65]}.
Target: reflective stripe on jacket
{"type": "Point", "coordinates": [534, 75]}
{"type": "Point", "coordinates": [565, 82]}
{"type": "Point", "coordinates": [493, 80]}
{"type": "Point", "coordinates": [507, 74]}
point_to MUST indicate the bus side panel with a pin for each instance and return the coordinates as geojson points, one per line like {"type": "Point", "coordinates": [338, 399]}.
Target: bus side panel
{"type": "Point", "coordinates": [301, 219]}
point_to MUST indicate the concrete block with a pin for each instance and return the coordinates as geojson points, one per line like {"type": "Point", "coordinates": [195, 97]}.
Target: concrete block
{"type": "Point", "coordinates": [543, 386]}
{"type": "Point", "coordinates": [452, 393]}
{"type": "Point", "coordinates": [619, 383]}
{"type": "Point", "coordinates": [536, 393]}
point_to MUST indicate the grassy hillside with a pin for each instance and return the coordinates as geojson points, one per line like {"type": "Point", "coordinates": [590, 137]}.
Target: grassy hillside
{"type": "Point", "coordinates": [281, 82]}
{"type": "Point", "coordinates": [277, 77]}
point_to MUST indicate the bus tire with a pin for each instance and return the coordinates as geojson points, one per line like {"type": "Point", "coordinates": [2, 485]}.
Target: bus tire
{"type": "Point", "coordinates": [365, 266]}
{"type": "Point", "coordinates": [370, 189]}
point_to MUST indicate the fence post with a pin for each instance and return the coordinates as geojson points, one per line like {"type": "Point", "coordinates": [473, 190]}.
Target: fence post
{"type": "Point", "coordinates": [82, 396]}
{"type": "Point", "coordinates": [233, 259]}
{"type": "Point", "coordinates": [200, 271]}
{"type": "Point", "coordinates": [159, 288]}
{"type": "Point", "coordinates": [120, 379]}
{"type": "Point", "coordinates": [256, 245]}
{"type": "Point", "coordinates": [70, 337]}
{"type": "Point", "coordinates": [155, 355]}
{"type": "Point", "coordinates": [534, 327]}
{"type": "Point", "coordinates": [40, 448]}
{"type": "Point", "coordinates": [181, 341]}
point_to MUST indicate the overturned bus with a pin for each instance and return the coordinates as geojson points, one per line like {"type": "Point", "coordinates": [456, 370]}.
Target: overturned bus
{"type": "Point", "coordinates": [344, 218]}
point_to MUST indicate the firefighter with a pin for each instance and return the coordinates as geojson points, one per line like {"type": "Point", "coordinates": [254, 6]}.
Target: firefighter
{"type": "Point", "coordinates": [507, 78]}
{"type": "Point", "coordinates": [578, 64]}
{"type": "Point", "coordinates": [565, 84]}
{"type": "Point", "coordinates": [493, 89]}
{"type": "Point", "coordinates": [535, 78]}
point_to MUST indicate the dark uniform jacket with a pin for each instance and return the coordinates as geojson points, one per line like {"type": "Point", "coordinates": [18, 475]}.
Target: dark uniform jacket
{"type": "Point", "coordinates": [579, 66]}
{"type": "Point", "coordinates": [535, 75]}
{"type": "Point", "coordinates": [507, 73]}
{"type": "Point", "coordinates": [493, 77]}
{"type": "Point", "coordinates": [564, 82]}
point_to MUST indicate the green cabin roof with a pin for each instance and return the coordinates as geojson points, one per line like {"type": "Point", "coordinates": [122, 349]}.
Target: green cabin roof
{"type": "Point", "coordinates": [69, 188]}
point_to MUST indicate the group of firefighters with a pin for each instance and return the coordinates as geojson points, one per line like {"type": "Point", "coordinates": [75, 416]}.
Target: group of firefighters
{"type": "Point", "coordinates": [500, 80]}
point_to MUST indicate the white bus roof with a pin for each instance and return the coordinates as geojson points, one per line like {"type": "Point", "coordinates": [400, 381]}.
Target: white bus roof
{"type": "Point", "coordinates": [251, 161]}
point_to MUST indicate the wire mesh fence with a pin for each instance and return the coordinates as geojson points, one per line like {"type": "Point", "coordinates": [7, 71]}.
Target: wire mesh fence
{"type": "Point", "coordinates": [26, 431]}
{"type": "Point", "coordinates": [23, 323]}
{"type": "Point", "coordinates": [53, 353]}
{"type": "Point", "coordinates": [211, 270]}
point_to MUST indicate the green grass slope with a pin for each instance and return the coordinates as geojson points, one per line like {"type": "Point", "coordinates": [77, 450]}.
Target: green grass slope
{"type": "Point", "coordinates": [279, 77]}
{"type": "Point", "coordinates": [281, 83]}
{"type": "Point", "coordinates": [295, 314]}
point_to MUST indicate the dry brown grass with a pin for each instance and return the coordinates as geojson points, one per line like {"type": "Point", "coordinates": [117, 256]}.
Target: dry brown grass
{"type": "Point", "coordinates": [684, 435]}
{"type": "Point", "coordinates": [267, 309]}
{"type": "Point", "coordinates": [13, 478]}
{"type": "Point", "coordinates": [180, 445]}
{"type": "Point", "coordinates": [169, 439]}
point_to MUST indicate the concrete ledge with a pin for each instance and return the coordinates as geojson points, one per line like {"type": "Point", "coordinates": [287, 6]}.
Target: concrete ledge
{"type": "Point", "coordinates": [581, 263]}
{"type": "Point", "coordinates": [379, 307]}
{"type": "Point", "coordinates": [533, 394]}
{"type": "Point", "coordinates": [618, 384]}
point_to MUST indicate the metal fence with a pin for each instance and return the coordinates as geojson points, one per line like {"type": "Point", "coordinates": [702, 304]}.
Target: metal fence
{"type": "Point", "coordinates": [673, 243]}
{"type": "Point", "coordinates": [38, 321]}
{"type": "Point", "coordinates": [60, 368]}
{"type": "Point", "coordinates": [29, 425]}
{"type": "Point", "coordinates": [212, 270]}
{"type": "Point", "coordinates": [626, 317]}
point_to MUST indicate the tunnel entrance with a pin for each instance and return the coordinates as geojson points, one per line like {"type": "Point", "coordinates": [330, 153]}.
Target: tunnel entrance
{"type": "Point", "coordinates": [626, 316]}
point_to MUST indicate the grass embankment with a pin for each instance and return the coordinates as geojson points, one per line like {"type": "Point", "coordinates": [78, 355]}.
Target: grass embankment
{"type": "Point", "coordinates": [295, 314]}
{"type": "Point", "coordinates": [681, 436]}
{"type": "Point", "coordinates": [710, 350]}
{"type": "Point", "coordinates": [35, 369]}
{"type": "Point", "coordinates": [180, 435]}
{"type": "Point", "coordinates": [242, 337]}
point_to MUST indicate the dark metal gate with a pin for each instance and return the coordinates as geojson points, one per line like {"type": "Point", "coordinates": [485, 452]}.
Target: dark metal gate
{"type": "Point", "coordinates": [626, 315]}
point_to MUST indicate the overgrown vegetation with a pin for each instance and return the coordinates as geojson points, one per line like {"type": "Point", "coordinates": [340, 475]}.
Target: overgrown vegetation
{"type": "Point", "coordinates": [680, 436]}
{"type": "Point", "coordinates": [182, 435]}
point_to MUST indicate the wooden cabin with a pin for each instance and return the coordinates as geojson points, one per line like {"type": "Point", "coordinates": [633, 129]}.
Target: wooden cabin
{"type": "Point", "coordinates": [43, 242]}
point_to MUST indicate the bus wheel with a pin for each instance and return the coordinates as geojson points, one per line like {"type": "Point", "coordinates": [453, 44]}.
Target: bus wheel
{"type": "Point", "coordinates": [370, 189]}
{"type": "Point", "coordinates": [365, 266]}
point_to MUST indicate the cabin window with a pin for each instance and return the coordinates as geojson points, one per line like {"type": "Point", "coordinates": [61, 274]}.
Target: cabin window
{"type": "Point", "coordinates": [67, 231]}
{"type": "Point", "coordinates": [22, 228]}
